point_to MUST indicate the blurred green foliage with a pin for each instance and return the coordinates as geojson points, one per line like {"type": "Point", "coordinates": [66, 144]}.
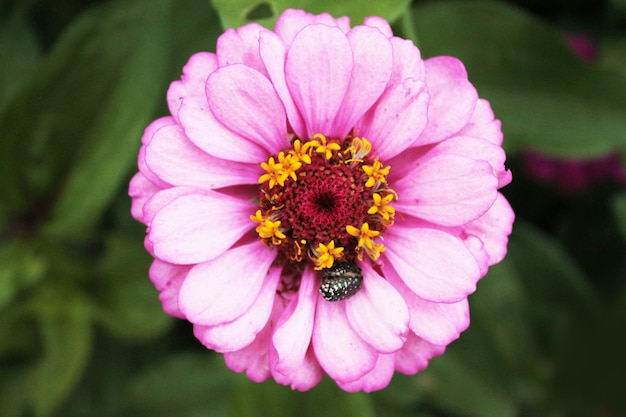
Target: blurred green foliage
{"type": "Point", "coordinates": [82, 331]}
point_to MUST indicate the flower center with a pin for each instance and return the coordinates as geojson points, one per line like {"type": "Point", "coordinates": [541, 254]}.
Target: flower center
{"type": "Point", "coordinates": [322, 201]}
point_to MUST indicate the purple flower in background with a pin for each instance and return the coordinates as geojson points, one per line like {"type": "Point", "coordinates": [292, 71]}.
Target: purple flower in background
{"type": "Point", "coordinates": [583, 46]}
{"type": "Point", "coordinates": [575, 175]}
{"type": "Point", "coordinates": [322, 201]}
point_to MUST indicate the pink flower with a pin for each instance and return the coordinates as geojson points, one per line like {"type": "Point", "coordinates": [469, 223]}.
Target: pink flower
{"type": "Point", "coordinates": [582, 46]}
{"type": "Point", "coordinates": [574, 175]}
{"type": "Point", "coordinates": [319, 158]}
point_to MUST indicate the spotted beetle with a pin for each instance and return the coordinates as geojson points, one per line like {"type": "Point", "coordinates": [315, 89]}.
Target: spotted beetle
{"type": "Point", "coordinates": [341, 281]}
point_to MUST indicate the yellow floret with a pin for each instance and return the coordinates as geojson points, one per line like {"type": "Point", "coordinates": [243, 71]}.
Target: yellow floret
{"type": "Point", "coordinates": [375, 173]}
{"type": "Point", "coordinates": [327, 255]}
{"type": "Point", "coordinates": [322, 147]}
{"type": "Point", "coordinates": [382, 207]}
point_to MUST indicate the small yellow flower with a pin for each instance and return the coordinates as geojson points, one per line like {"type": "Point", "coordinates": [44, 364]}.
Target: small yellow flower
{"type": "Point", "coordinates": [327, 255]}
{"type": "Point", "coordinates": [382, 207]}
{"type": "Point", "coordinates": [290, 165]}
{"type": "Point", "coordinates": [376, 173]}
{"type": "Point", "coordinates": [322, 147]}
{"type": "Point", "coordinates": [364, 234]}
{"type": "Point", "coordinates": [257, 217]}
{"type": "Point", "coordinates": [302, 152]}
{"type": "Point", "coordinates": [268, 229]}
{"type": "Point", "coordinates": [274, 172]}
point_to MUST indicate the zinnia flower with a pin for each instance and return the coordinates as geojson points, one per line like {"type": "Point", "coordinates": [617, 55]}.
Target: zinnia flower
{"type": "Point", "coordinates": [322, 201]}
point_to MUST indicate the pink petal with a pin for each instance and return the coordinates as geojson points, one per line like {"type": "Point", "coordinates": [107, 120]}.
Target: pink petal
{"type": "Point", "coordinates": [167, 279]}
{"type": "Point", "coordinates": [292, 21]}
{"type": "Point", "coordinates": [318, 69]}
{"type": "Point", "coordinates": [483, 124]}
{"type": "Point", "coordinates": [245, 101]}
{"type": "Point", "coordinates": [494, 228]}
{"type": "Point", "coordinates": [404, 163]}
{"type": "Point", "coordinates": [478, 149]}
{"type": "Point", "coordinates": [377, 379]}
{"type": "Point", "coordinates": [453, 99]}
{"type": "Point", "coordinates": [195, 74]}
{"type": "Point", "coordinates": [198, 227]}
{"type": "Point", "coordinates": [380, 24]}
{"type": "Point", "coordinates": [147, 172]}
{"type": "Point", "coordinates": [154, 127]}
{"type": "Point", "coordinates": [254, 358]}
{"type": "Point", "coordinates": [211, 136]}
{"type": "Point", "coordinates": [448, 190]}
{"type": "Point", "coordinates": [241, 46]}
{"type": "Point", "coordinates": [397, 119]}
{"type": "Point", "coordinates": [378, 314]}
{"type": "Point", "coordinates": [407, 62]}
{"type": "Point", "coordinates": [437, 323]}
{"type": "Point", "coordinates": [273, 53]}
{"type": "Point", "coordinates": [410, 110]}
{"type": "Point", "coordinates": [434, 264]}
{"type": "Point", "coordinates": [373, 59]}
{"type": "Point", "coordinates": [140, 190]}
{"type": "Point", "coordinates": [175, 160]}
{"type": "Point", "coordinates": [478, 250]}
{"type": "Point", "coordinates": [148, 245]}
{"type": "Point", "coordinates": [340, 351]}
{"type": "Point", "coordinates": [292, 334]}
{"type": "Point", "coordinates": [239, 333]}
{"type": "Point", "coordinates": [415, 354]}
{"type": "Point", "coordinates": [146, 139]}
{"type": "Point", "coordinates": [305, 376]}
{"type": "Point", "coordinates": [221, 290]}
{"type": "Point", "coordinates": [162, 199]}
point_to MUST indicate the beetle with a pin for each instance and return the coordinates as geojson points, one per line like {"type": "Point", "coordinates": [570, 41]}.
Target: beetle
{"type": "Point", "coordinates": [341, 281]}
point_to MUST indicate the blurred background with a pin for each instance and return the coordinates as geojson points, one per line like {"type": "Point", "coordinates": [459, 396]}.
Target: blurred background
{"type": "Point", "coordinates": [82, 332]}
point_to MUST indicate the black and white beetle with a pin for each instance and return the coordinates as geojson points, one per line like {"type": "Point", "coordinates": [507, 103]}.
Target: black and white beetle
{"type": "Point", "coordinates": [341, 281]}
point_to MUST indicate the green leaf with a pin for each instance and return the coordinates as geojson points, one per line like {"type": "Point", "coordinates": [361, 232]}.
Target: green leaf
{"type": "Point", "coordinates": [129, 306]}
{"type": "Point", "coordinates": [18, 335]}
{"type": "Point", "coordinates": [112, 140]}
{"type": "Point", "coordinates": [501, 310]}
{"type": "Point", "coordinates": [184, 385]}
{"type": "Point", "coordinates": [401, 396]}
{"type": "Point", "coordinates": [71, 135]}
{"type": "Point", "coordinates": [20, 52]}
{"type": "Point", "coordinates": [552, 279]}
{"type": "Point", "coordinates": [568, 318]}
{"type": "Point", "coordinates": [195, 27]}
{"type": "Point", "coordinates": [20, 267]}
{"type": "Point", "coordinates": [324, 400]}
{"type": "Point", "coordinates": [13, 391]}
{"type": "Point", "coordinates": [235, 13]}
{"type": "Point", "coordinates": [64, 318]}
{"type": "Point", "coordinates": [469, 380]}
{"type": "Point", "coordinates": [613, 53]}
{"type": "Point", "coordinates": [619, 208]}
{"type": "Point", "coordinates": [547, 98]}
